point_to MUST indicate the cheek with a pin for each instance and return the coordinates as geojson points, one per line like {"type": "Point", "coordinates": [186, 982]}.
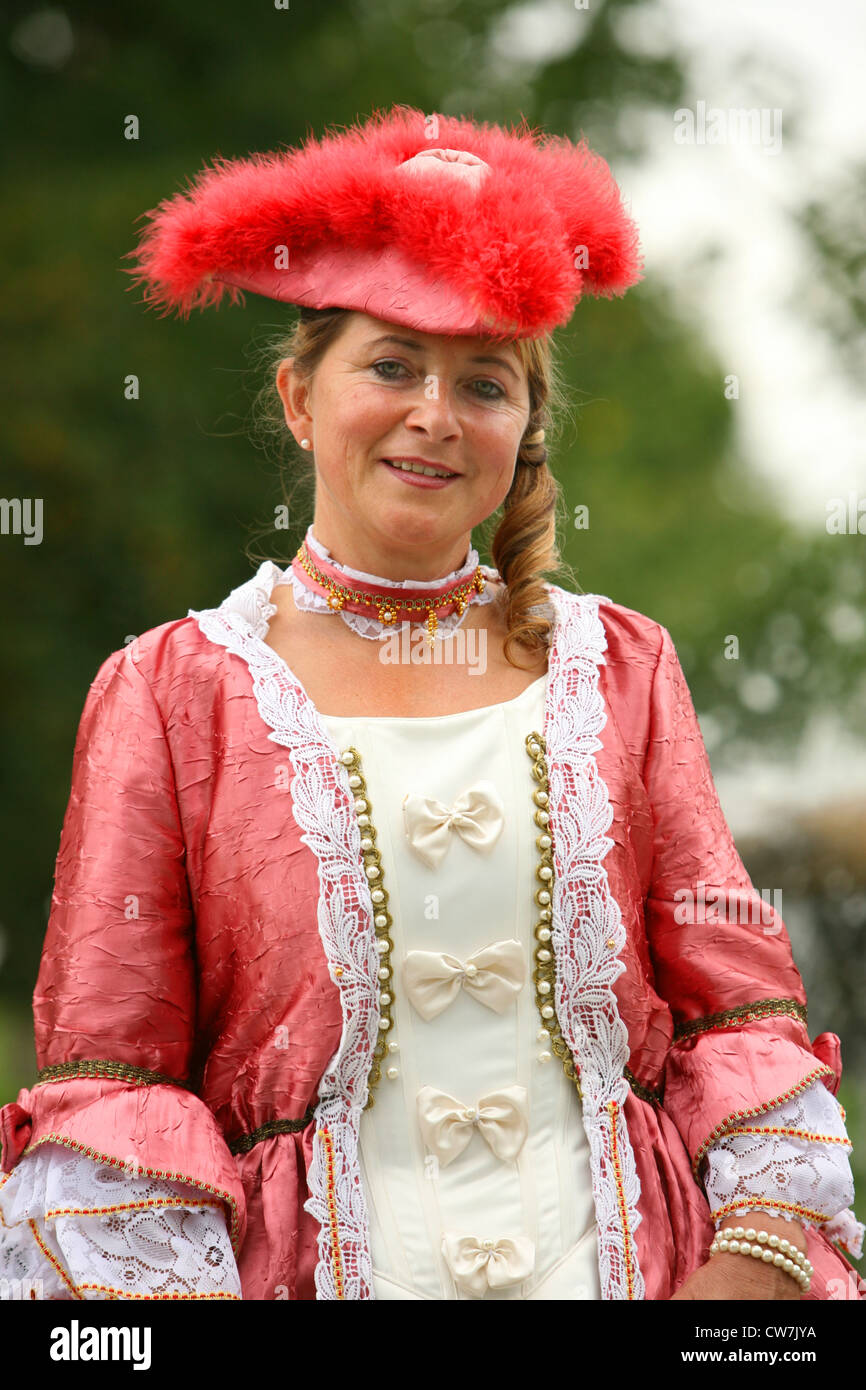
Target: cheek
{"type": "Point", "coordinates": [360, 414]}
{"type": "Point", "coordinates": [499, 435]}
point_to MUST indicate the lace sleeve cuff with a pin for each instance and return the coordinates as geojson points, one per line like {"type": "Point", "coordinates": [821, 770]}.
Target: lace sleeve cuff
{"type": "Point", "coordinates": [71, 1227]}
{"type": "Point", "coordinates": [790, 1161]}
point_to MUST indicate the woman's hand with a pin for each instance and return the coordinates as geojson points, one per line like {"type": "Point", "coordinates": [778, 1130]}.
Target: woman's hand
{"type": "Point", "coordinates": [736, 1277]}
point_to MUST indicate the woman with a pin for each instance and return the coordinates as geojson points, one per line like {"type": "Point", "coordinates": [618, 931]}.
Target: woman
{"type": "Point", "coordinates": [347, 993]}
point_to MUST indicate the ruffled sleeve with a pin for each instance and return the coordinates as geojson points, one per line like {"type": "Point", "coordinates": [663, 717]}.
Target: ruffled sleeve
{"type": "Point", "coordinates": [115, 1000]}
{"type": "Point", "coordinates": [72, 1228]}
{"type": "Point", "coordinates": [790, 1161]}
{"type": "Point", "coordinates": [720, 950]}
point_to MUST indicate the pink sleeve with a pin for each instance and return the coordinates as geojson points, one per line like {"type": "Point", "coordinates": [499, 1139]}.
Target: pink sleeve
{"type": "Point", "coordinates": [721, 953]}
{"type": "Point", "coordinates": [115, 1000]}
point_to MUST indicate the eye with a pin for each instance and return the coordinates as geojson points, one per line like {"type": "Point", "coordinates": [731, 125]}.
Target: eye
{"type": "Point", "coordinates": [497, 394]}
{"type": "Point", "coordinates": [387, 362]}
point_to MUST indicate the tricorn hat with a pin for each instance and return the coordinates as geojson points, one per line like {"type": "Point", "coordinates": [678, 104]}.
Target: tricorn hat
{"type": "Point", "coordinates": [434, 222]}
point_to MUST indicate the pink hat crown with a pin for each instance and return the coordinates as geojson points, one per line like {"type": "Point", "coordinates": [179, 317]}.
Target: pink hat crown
{"type": "Point", "coordinates": [436, 222]}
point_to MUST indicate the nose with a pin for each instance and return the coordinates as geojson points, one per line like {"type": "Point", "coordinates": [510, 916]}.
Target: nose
{"type": "Point", "coordinates": [432, 412]}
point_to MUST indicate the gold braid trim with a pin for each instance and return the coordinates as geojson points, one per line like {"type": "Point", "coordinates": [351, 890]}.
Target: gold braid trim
{"type": "Point", "coordinates": [544, 973]}
{"type": "Point", "coordinates": [140, 1076]}
{"type": "Point", "coordinates": [382, 919]}
{"type": "Point", "coordinates": [110, 1070]}
{"type": "Point", "coordinates": [269, 1130]}
{"type": "Point", "coordinates": [744, 1013]}
{"type": "Point", "coordinates": [642, 1092]}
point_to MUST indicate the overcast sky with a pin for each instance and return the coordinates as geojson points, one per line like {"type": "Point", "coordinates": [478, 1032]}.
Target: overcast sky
{"type": "Point", "coordinates": [801, 424]}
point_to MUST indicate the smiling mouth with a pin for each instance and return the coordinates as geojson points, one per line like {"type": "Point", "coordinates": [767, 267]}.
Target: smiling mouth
{"type": "Point", "coordinates": [425, 470]}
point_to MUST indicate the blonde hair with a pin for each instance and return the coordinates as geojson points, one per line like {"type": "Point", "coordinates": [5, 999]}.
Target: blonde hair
{"type": "Point", "coordinates": [523, 547]}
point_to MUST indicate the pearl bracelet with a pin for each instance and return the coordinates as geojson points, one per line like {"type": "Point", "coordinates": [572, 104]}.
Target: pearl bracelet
{"type": "Point", "coordinates": [774, 1250]}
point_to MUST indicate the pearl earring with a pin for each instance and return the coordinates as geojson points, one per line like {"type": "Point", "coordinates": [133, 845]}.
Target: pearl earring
{"type": "Point", "coordinates": [305, 443]}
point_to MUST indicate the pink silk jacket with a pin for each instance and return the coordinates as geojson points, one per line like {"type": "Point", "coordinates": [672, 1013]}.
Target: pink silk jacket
{"type": "Point", "coordinates": [211, 898]}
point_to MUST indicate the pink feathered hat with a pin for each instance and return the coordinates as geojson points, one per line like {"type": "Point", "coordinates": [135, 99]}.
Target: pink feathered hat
{"type": "Point", "coordinates": [434, 222]}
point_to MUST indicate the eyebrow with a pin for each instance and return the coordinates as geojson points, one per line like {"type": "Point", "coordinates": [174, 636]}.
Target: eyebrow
{"type": "Point", "coordinates": [412, 343]}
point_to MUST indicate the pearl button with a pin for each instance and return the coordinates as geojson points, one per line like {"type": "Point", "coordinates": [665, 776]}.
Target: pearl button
{"type": "Point", "coordinates": [360, 804]}
{"type": "Point", "coordinates": [469, 1112]}
{"type": "Point", "coordinates": [544, 1056]}
{"type": "Point", "coordinates": [347, 758]}
{"type": "Point", "coordinates": [393, 1047]}
{"type": "Point", "coordinates": [392, 1073]}
{"type": "Point", "coordinates": [543, 1034]}
{"type": "Point", "coordinates": [487, 1244]}
{"type": "Point", "coordinates": [547, 1011]}
{"type": "Point", "coordinates": [471, 971]}
{"type": "Point", "coordinates": [382, 946]}
{"type": "Point", "coordinates": [377, 895]}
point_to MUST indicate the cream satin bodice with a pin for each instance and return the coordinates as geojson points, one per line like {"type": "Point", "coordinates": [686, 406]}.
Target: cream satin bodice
{"type": "Point", "coordinates": [474, 1156]}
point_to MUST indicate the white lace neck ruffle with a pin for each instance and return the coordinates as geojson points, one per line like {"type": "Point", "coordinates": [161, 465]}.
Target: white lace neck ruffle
{"type": "Point", "coordinates": [371, 627]}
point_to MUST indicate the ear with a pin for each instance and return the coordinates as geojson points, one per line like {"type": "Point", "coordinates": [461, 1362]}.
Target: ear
{"type": "Point", "coordinates": [294, 394]}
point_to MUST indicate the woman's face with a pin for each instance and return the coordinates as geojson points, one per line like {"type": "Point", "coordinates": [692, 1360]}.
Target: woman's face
{"type": "Point", "coordinates": [383, 391]}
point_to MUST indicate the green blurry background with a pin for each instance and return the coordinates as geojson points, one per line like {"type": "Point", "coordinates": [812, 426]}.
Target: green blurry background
{"type": "Point", "coordinates": [151, 504]}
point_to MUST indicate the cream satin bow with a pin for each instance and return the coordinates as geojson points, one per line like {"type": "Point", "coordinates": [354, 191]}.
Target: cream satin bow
{"type": "Point", "coordinates": [478, 815]}
{"type": "Point", "coordinates": [479, 1265]}
{"type": "Point", "coordinates": [447, 1124]}
{"type": "Point", "coordinates": [493, 975]}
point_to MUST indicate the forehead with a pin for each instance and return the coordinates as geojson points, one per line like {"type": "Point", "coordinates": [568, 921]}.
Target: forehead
{"type": "Point", "coordinates": [364, 328]}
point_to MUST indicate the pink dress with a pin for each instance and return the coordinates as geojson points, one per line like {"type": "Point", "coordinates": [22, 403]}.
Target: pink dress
{"type": "Point", "coordinates": [213, 894]}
